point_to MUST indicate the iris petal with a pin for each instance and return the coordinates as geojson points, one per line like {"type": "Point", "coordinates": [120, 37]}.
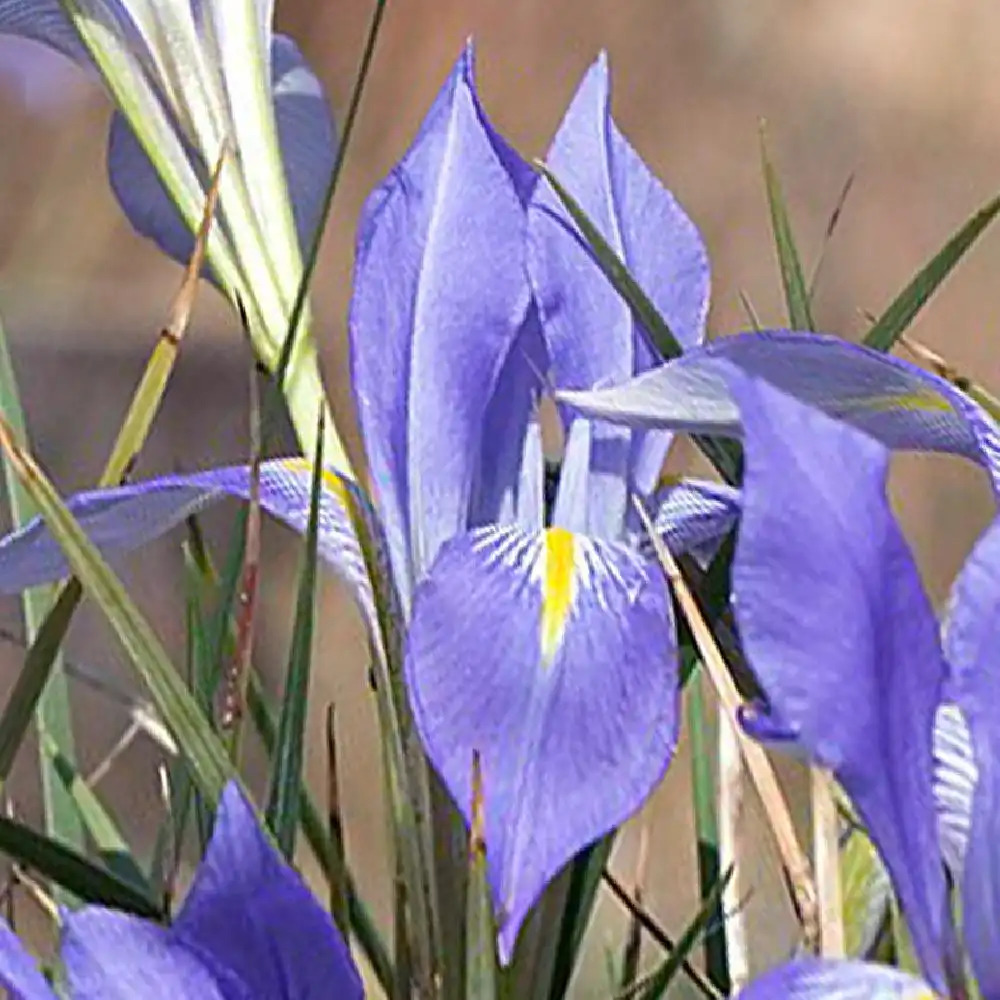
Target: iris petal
{"type": "Point", "coordinates": [813, 979]}
{"type": "Point", "coordinates": [122, 519]}
{"type": "Point", "coordinates": [113, 956]}
{"type": "Point", "coordinates": [18, 973]}
{"type": "Point", "coordinates": [554, 657]}
{"type": "Point", "coordinates": [838, 629]}
{"type": "Point", "coordinates": [440, 295]}
{"type": "Point", "coordinates": [895, 402]}
{"type": "Point", "coordinates": [971, 638]}
{"type": "Point", "coordinates": [256, 918]}
{"type": "Point", "coordinates": [592, 337]}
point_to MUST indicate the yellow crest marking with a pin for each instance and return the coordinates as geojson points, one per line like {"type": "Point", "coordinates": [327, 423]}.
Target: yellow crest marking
{"type": "Point", "coordinates": [558, 580]}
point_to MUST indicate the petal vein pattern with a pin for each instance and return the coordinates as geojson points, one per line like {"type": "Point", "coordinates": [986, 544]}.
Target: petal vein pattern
{"type": "Point", "coordinates": [123, 519]}
{"type": "Point", "coordinates": [898, 404]}
{"type": "Point", "coordinates": [554, 657]}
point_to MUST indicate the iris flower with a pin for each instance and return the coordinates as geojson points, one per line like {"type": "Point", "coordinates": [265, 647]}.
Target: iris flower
{"type": "Point", "coordinates": [836, 624]}
{"type": "Point", "coordinates": [548, 648]}
{"type": "Point", "coordinates": [249, 927]}
{"type": "Point", "coordinates": [189, 77]}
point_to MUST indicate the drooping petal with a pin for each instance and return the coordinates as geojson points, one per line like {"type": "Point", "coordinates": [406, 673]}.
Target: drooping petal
{"type": "Point", "coordinates": [838, 629]}
{"type": "Point", "coordinates": [971, 642]}
{"type": "Point", "coordinates": [895, 402]}
{"type": "Point", "coordinates": [43, 21]}
{"type": "Point", "coordinates": [255, 917]}
{"type": "Point", "coordinates": [440, 295]}
{"type": "Point", "coordinates": [308, 146]}
{"type": "Point", "coordinates": [815, 979]}
{"type": "Point", "coordinates": [554, 657]}
{"type": "Point", "coordinates": [592, 337]}
{"type": "Point", "coordinates": [122, 519]}
{"type": "Point", "coordinates": [19, 974]}
{"type": "Point", "coordinates": [114, 956]}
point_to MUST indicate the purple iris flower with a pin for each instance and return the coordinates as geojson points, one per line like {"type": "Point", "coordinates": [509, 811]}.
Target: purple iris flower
{"type": "Point", "coordinates": [249, 927]}
{"type": "Point", "coordinates": [836, 624]}
{"type": "Point", "coordinates": [548, 648]}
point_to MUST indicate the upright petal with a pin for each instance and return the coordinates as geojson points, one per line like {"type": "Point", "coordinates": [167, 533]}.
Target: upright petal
{"type": "Point", "coordinates": [440, 294]}
{"type": "Point", "coordinates": [815, 979]}
{"type": "Point", "coordinates": [254, 916]}
{"type": "Point", "coordinates": [895, 402]}
{"type": "Point", "coordinates": [19, 974]}
{"type": "Point", "coordinates": [972, 640]}
{"type": "Point", "coordinates": [554, 657]}
{"type": "Point", "coordinates": [592, 337]}
{"type": "Point", "coordinates": [838, 629]}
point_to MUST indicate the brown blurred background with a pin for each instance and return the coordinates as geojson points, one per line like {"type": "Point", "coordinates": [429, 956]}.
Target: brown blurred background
{"type": "Point", "coordinates": [903, 93]}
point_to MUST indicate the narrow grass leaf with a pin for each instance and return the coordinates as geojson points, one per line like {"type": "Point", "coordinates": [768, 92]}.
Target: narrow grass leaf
{"type": "Point", "coordinates": [34, 676]}
{"type": "Point", "coordinates": [698, 979]}
{"type": "Point", "coordinates": [705, 801]}
{"type": "Point", "coordinates": [338, 877]}
{"type": "Point", "coordinates": [175, 704]}
{"type": "Point", "coordinates": [831, 228]}
{"type": "Point", "coordinates": [110, 844]}
{"type": "Point", "coordinates": [584, 882]}
{"type": "Point", "coordinates": [264, 718]}
{"type": "Point", "coordinates": [64, 866]}
{"type": "Point", "coordinates": [632, 951]}
{"type": "Point", "coordinates": [659, 982]}
{"type": "Point", "coordinates": [891, 325]}
{"type": "Point", "coordinates": [286, 773]}
{"type": "Point", "coordinates": [792, 276]}
{"type": "Point", "coordinates": [50, 694]}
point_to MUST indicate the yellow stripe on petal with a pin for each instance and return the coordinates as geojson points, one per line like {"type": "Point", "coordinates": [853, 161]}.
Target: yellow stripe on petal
{"type": "Point", "coordinates": [558, 582]}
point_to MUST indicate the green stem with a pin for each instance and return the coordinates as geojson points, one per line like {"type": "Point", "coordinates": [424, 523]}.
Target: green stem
{"type": "Point", "coordinates": [699, 725]}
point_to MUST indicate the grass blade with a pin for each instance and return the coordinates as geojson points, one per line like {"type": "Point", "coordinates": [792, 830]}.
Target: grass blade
{"type": "Point", "coordinates": [706, 819]}
{"type": "Point", "coordinates": [109, 842]}
{"type": "Point", "coordinates": [632, 952]}
{"type": "Point", "coordinates": [792, 276]}
{"type": "Point", "coordinates": [175, 704]}
{"type": "Point", "coordinates": [581, 895]}
{"type": "Point", "coordinates": [337, 875]}
{"type": "Point", "coordinates": [891, 325]}
{"type": "Point", "coordinates": [65, 867]}
{"type": "Point", "coordinates": [33, 678]}
{"type": "Point", "coordinates": [826, 856]}
{"type": "Point", "coordinates": [286, 774]}
{"type": "Point", "coordinates": [658, 983]}
{"type": "Point", "coordinates": [51, 694]}
{"type": "Point", "coordinates": [705, 986]}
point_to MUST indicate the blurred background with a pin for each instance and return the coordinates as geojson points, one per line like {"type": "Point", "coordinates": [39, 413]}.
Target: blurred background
{"type": "Point", "coordinates": [900, 93]}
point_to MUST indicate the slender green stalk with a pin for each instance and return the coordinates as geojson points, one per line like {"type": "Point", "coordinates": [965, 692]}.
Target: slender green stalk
{"type": "Point", "coordinates": [699, 725]}
{"type": "Point", "coordinates": [51, 692]}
